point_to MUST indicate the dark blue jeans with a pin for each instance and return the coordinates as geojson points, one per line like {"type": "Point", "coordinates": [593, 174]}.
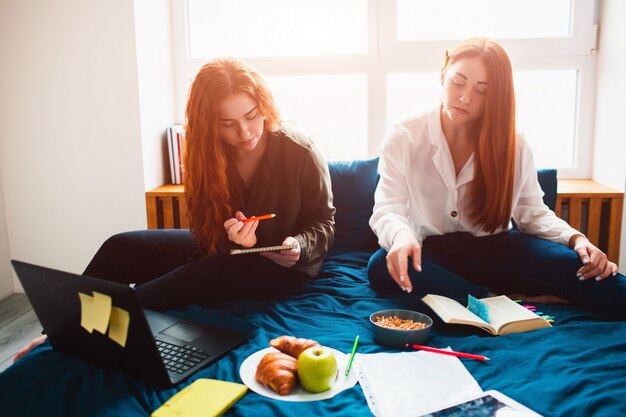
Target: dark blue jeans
{"type": "Point", "coordinates": [458, 264]}
{"type": "Point", "coordinates": [170, 273]}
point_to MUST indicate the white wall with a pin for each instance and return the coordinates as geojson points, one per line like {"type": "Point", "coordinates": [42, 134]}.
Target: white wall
{"type": "Point", "coordinates": [609, 162]}
{"type": "Point", "coordinates": [70, 135]}
{"type": "Point", "coordinates": [155, 67]}
{"type": "Point", "coordinates": [6, 281]}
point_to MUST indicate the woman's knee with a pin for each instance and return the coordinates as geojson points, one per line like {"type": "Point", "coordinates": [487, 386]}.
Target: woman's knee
{"type": "Point", "coordinates": [137, 256]}
{"type": "Point", "coordinates": [153, 245]}
{"type": "Point", "coordinates": [114, 248]}
{"type": "Point", "coordinates": [107, 261]}
{"type": "Point", "coordinates": [119, 242]}
{"type": "Point", "coordinates": [378, 274]}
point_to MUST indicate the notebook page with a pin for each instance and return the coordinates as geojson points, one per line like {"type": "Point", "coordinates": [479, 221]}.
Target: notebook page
{"type": "Point", "coordinates": [413, 383]}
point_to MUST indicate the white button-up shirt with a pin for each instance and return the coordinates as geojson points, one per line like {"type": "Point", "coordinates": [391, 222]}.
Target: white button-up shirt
{"type": "Point", "coordinates": [419, 190]}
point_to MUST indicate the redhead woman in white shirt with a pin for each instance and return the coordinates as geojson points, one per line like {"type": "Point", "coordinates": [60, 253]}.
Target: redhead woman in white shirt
{"type": "Point", "coordinates": [450, 182]}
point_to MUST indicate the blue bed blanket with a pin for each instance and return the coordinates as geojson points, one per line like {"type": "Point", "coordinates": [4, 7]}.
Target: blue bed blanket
{"type": "Point", "coordinates": [576, 368]}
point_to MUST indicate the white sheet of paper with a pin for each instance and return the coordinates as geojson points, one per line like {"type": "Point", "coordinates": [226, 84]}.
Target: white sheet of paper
{"type": "Point", "coordinates": [413, 383]}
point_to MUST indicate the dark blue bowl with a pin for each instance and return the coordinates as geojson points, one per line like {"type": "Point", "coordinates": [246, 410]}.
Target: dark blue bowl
{"type": "Point", "coordinates": [399, 338]}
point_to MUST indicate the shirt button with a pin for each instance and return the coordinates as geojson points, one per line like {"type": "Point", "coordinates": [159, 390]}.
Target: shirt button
{"type": "Point", "coordinates": [454, 213]}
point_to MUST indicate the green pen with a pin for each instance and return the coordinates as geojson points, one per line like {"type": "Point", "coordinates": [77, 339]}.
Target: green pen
{"type": "Point", "coordinates": [356, 343]}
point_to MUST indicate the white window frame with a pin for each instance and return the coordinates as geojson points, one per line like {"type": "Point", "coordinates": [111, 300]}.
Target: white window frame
{"type": "Point", "coordinates": [386, 55]}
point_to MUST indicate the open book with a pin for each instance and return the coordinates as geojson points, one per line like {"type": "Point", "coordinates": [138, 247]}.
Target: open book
{"type": "Point", "coordinates": [505, 315]}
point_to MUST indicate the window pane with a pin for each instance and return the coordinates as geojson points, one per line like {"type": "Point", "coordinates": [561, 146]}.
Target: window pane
{"type": "Point", "coordinates": [330, 109]}
{"type": "Point", "coordinates": [545, 106]}
{"type": "Point", "coordinates": [410, 94]}
{"type": "Point", "coordinates": [252, 28]}
{"type": "Point", "coordinates": [546, 115]}
{"type": "Point", "coordinates": [501, 19]}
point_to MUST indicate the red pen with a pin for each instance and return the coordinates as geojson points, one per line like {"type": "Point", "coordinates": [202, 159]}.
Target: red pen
{"type": "Point", "coordinates": [263, 217]}
{"type": "Point", "coordinates": [450, 352]}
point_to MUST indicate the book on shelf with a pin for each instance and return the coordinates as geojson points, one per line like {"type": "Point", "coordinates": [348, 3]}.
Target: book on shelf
{"type": "Point", "coordinates": [500, 314]}
{"type": "Point", "coordinates": [176, 151]}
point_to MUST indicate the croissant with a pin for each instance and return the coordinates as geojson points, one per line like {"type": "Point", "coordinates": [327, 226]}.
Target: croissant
{"type": "Point", "coordinates": [278, 371]}
{"type": "Point", "coordinates": [291, 345]}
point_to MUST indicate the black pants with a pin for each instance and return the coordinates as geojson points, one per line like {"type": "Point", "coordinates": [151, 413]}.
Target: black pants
{"type": "Point", "coordinates": [458, 264]}
{"type": "Point", "coordinates": [170, 275]}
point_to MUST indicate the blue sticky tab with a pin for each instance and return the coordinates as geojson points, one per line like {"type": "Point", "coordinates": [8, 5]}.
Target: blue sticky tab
{"type": "Point", "coordinates": [478, 307]}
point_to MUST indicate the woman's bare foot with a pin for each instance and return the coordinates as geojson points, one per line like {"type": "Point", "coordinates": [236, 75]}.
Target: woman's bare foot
{"type": "Point", "coordinates": [30, 346]}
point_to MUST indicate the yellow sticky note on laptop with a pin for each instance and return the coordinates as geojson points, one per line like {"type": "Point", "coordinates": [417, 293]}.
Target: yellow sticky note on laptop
{"type": "Point", "coordinates": [118, 327]}
{"type": "Point", "coordinates": [203, 398]}
{"type": "Point", "coordinates": [87, 315]}
{"type": "Point", "coordinates": [102, 311]}
{"type": "Point", "coordinates": [95, 311]}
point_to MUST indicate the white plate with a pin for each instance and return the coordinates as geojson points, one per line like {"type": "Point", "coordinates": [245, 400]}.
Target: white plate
{"type": "Point", "coordinates": [247, 371]}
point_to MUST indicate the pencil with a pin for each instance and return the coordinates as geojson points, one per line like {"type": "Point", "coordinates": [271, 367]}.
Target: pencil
{"type": "Point", "coordinates": [450, 352]}
{"type": "Point", "coordinates": [356, 343]}
{"type": "Point", "coordinates": [263, 217]}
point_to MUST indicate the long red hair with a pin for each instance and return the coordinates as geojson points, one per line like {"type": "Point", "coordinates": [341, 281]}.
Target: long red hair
{"type": "Point", "coordinates": [207, 159]}
{"type": "Point", "coordinates": [491, 191]}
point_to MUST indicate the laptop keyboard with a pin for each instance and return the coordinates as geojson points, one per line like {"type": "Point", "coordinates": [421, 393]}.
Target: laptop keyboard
{"type": "Point", "coordinates": [180, 359]}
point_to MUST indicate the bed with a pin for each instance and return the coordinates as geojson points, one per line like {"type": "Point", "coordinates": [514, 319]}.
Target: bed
{"type": "Point", "coordinates": [576, 368]}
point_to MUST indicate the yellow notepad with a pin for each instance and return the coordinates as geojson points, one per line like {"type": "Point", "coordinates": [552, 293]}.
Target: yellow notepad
{"type": "Point", "coordinates": [203, 398]}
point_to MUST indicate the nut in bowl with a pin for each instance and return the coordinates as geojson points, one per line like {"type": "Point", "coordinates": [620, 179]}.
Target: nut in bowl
{"type": "Point", "coordinates": [396, 328]}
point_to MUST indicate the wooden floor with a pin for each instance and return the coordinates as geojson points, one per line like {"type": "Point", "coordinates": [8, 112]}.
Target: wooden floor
{"type": "Point", "coordinates": [18, 326]}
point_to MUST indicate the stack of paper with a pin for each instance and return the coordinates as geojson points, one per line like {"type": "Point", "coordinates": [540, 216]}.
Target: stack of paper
{"type": "Point", "coordinates": [413, 383]}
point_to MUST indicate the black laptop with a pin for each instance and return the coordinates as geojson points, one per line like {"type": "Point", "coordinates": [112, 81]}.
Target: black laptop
{"type": "Point", "coordinates": [154, 346]}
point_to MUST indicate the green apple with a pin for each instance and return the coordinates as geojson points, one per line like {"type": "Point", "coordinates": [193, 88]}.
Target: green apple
{"type": "Point", "coordinates": [317, 369]}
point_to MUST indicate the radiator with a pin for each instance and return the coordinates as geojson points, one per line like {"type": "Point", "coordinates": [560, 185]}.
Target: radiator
{"type": "Point", "coordinates": [595, 210]}
{"type": "Point", "coordinates": [587, 206]}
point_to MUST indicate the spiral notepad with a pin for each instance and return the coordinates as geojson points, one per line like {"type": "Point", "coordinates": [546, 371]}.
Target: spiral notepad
{"type": "Point", "coordinates": [262, 249]}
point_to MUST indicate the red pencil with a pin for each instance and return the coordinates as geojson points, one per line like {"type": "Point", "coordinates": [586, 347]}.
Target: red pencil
{"type": "Point", "coordinates": [449, 352]}
{"type": "Point", "coordinates": [263, 217]}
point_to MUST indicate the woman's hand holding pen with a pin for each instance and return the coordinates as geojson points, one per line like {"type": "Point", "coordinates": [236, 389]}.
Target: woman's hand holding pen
{"type": "Point", "coordinates": [404, 246]}
{"type": "Point", "coordinates": [240, 232]}
{"type": "Point", "coordinates": [595, 263]}
{"type": "Point", "coordinates": [286, 258]}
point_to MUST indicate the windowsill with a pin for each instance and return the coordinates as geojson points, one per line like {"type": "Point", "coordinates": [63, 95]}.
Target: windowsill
{"type": "Point", "coordinates": [574, 188]}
